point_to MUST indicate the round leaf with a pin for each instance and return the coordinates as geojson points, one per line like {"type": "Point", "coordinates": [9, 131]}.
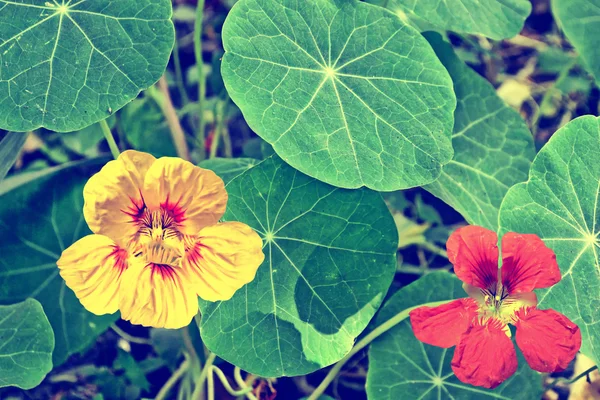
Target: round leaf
{"type": "Point", "coordinates": [560, 203]}
{"type": "Point", "coordinates": [67, 65]}
{"type": "Point", "coordinates": [402, 367]}
{"type": "Point", "coordinates": [497, 19]}
{"type": "Point", "coordinates": [228, 168]}
{"type": "Point", "coordinates": [580, 19]}
{"type": "Point", "coordinates": [344, 91]}
{"type": "Point", "coordinates": [39, 218]}
{"type": "Point", "coordinates": [493, 147]}
{"type": "Point", "coordinates": [27, 343]}
{"type": "Point", "coordinates": [329, 260]}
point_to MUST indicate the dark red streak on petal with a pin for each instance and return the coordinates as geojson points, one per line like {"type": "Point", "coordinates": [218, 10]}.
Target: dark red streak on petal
{"type": "Point", "coordinates": [137, 208]}
{"type": "Point", "coordinates": [174, 210]}
{"type": "Point", "coordinates": [119, 255]}
{"type": "Point", "coordinates": [165, 271]}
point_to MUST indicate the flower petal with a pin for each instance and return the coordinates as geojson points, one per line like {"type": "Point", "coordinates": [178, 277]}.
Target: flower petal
{"type": "Point", "coordinates": [548, 339]}
{"type": "Point", "coordinates": [160, 296]}
{"type": "Point", "coordinates": [196, 197]}
{"type": "Point", "coordinates": [473, 251]}
{"type": "Point", "coordinates": [485, 356]}
{"type": "Point", "coordinates": [92, 268]}
{"type": "Point", "coordinates": [443, 325]}
{"type": "Point", "coordinates": [222, 259]}
{"type": "Point", "coordinates": [527, 263]}
{"type": "Point", "coordinates": [113, 196]}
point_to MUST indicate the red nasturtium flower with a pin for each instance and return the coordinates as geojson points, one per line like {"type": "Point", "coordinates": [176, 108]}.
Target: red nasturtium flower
{"type": "Point", "coordinates": [157, 242]}
{"type": "Point", "coordinates": [478, 326]}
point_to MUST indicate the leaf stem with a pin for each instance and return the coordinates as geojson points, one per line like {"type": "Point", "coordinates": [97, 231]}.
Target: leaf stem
{"type": "Point", "coordinates": [245, 389]}
{"type": "Point", "coordinates": [200, 66]}
{"type": "Point", "coordinates": [375, 333]}
{"type": "Point", "coordinates": [179, 74]}
{"type": "Point", "coordinates": [199, 389]}
{"type": "Point", "coordinates": [114, 149]}
{"type": "Point", "coordinates": [237, 375]}
{"type": "Point", "coordinates": [164, 391]}
{"type": "Point", "coordinates": [173, 120]}
{"type": "Point", "coordinates": [219, 116]}
{"type": "Point", "coordinates": [432, 248]}
{"type": "Point", "coordinates": [557, 381]}
{"type": "Point", "coordinates": [128, 337]}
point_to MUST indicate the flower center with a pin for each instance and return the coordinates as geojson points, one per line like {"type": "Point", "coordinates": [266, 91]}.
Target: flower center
{"type": "Point", "coordinates": [157, 225]}
{"type": "Point", "coordinates": [159, 241]}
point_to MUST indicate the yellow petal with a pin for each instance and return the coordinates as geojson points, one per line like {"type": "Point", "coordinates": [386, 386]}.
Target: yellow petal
{"type": "Point", "coordinates": [92, 268]}
{"type": "Point", "coordinates": [155, 295]}
{"type": "Point", "coordinates": [222, 259]}
{"type": "Point", "coordinates": [195, 196]}
{"type": "Point", "coordinates": [113, 196]}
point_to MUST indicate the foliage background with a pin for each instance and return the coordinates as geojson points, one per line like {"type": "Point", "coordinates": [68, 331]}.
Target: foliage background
{"type": "Point", "coordinates": [537, 73]}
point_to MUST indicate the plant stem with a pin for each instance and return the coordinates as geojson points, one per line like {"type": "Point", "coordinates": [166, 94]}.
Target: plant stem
{"type": "Point", "coordinates": [179, 74]}
{"type": "Point", "coordinates": [557, 381]}
{"type": "Point", "coordinates": [199, 389]}
{"type": "Point", "coordinates": [219, 116]}
{"type": "Point", "coordinates": [174, 124]}
{"type": "Point", "coordinates": [200, 66]}
{"type": "Point", "coordinates": [164, 391]}
{"type": "Point", "coordinates": [130, 338]}
{"type": "Point", "coordinates": [114, 149]}
{"type": "Point", "coordinates": [432, 248]}
{"type": "Point", "coordinates": [244, 388]}
{"type": "Point", "coordinates": [375, 333]}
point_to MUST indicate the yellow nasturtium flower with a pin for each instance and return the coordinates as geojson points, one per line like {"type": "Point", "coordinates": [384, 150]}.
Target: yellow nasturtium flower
{"type": "Point", "coordinates": [157, 242]}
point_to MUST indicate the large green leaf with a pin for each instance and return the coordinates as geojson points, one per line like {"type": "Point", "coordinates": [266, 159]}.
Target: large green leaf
{"type": "Point", "coordinates": [344, 91]}
{"type": "Point", "coordinates": [38, 219]}
{"type": "Point", "coordinates": [146, 129]}
{"type": "Point", "coordinates": [560, 204]}
{"type": "Point", "coordinates": [580, 20]}
{"type": "Point", "coordinates": [329, 260]}
{"type": "Point", "coordinates": [65, 65]}
{"type": "Point", "coordinates": [493, 147]}
{"type": "Point", "coordinates": [497, 19]}
{"type": "Point", "coordinates": [402, 367]}
{"type": "Point", "coordinates": [10, 147]}
{"type": "Point", "coordinates": [229, 168]}
{"type": "Point", "coordinates": [26, 343]}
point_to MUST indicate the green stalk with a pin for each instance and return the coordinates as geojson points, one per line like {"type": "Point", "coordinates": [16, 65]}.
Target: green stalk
{"type": "Point", "coordinates": [381, 329]}
{"type": "Point", "coordinates": [179, 74]}
{"type": "Point", "coordinates": [114, 149]}
{"type": "Point", "coordinates": [199, 389]}
{"type": "Point", "coordinates": [200, 66]}
{"type": "Point", "coordinates": [164, 391]}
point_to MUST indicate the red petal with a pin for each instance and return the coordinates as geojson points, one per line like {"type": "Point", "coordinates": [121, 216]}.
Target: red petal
{"type": "Point", "coordinates": [527, 263]}
{"type": "Point", "coordinates": [473, 251]}
{"type": "Point", "coordinates": [442, 326]}
{"type": "Point", "coordinates": [548, 339]}
{"type": "Point", "coordinates": [485, 356]}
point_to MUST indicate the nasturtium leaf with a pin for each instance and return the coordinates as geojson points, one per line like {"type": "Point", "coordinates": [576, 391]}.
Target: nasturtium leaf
{"type": "Point", "coordinates": [496, 19]}
{"type": "Point", "coordinates": [560, 203]}
{"type": "Point", "coordinates": [580, 20]}
{"type": "Point", "coordinates": [10, 147]}
{"type": "Point", "coordinates": [345, 91]}
{"type": "Point", "coordinates": [146, 128]}
{"type": "Point", "coordinates": [38, 219]}
{"type": "Point", "coordinates": [493, 147]}
{"type": "Point", "coordinates": [65, 65]}
{"type": "Point", "coordinates": [26, 343]}
{"type": "Point", "coordinates": [229, 168]}
{"type": "Point", "coordinates": [329, 260]}
{"type": "Point", "coordinates": [402, 367]}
